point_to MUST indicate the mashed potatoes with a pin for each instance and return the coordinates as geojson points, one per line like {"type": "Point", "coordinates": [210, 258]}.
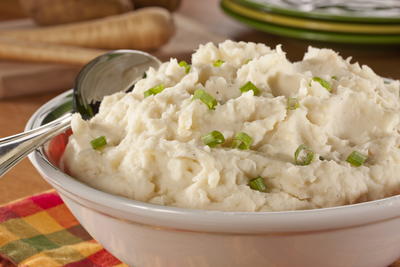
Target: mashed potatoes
{"type": "Point", "coordinates": [157, 151]}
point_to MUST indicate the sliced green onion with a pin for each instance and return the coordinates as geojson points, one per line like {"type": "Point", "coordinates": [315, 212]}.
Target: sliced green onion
{"type": "Point", "coordinates": [98, 142]}
{"type": "Point", "coordinates": [218, 63]}
{"type": "Point", "coordinates": [303, 155]}
{"type": "Point", "coordinates": [293, 103]}
{"type": "Point", "coordinates": [250, 86]}
{"type": "Point", "coordinates": [242, 141]}
{"type": "Point", "coordinates": [356, 158]}
{"type": "Point", "coordinates": [323, 83]}
{"type": "Point", "coordinates": [334, 77]}
{"type": "Point", "coordinates": [185, 65]}
{"type": "Point", "coordinates": [213, 139]}
{"type": "Point", "coordinates": [206, 98]}
{"type": "Point", "coordinates": [258, 184]}
{"type": "Point", "coordinates": [89, 110]}
{"type": "Point", "coordinates": [154, 90]}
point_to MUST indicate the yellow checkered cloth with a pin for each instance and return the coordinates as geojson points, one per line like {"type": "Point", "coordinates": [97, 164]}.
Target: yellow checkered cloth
{"type": "Point", "coordinates": [40, 231]}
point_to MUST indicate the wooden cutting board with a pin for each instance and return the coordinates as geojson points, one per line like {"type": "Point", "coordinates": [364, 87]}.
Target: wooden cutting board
{"type": "Point", "coordinates": [26, 78]}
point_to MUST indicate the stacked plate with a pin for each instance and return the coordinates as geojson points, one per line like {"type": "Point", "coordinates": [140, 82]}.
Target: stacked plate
{"type": "Point", "coordinates": [343, 21]}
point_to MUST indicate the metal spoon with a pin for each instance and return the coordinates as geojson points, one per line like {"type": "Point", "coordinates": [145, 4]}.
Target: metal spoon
{"type": "Point", "coordinates": [107, 74]}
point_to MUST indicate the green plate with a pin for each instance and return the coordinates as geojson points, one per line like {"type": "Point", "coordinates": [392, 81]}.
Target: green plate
{"type": "Point", "coordinates": [312, 35]}
{"type": "Point", "coordinates": [366, 11]}
{"type": "Point", "coordinates": [311, 24]}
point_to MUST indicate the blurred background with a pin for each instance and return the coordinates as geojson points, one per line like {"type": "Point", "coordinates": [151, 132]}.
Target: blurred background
{"type": "Point", "coordinates": [45, 42]}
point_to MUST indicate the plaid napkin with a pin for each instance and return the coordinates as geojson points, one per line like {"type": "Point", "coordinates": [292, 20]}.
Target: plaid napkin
{"type": "Point", "coordinates": [40, 231]}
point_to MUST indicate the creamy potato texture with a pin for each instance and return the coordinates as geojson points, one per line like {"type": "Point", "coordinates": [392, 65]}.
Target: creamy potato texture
{"type": "Point", "coordinates": [155, 151]}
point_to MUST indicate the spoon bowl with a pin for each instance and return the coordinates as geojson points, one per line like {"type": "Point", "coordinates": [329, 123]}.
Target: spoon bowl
{"type": "Point", "coordinates": [119, 69]}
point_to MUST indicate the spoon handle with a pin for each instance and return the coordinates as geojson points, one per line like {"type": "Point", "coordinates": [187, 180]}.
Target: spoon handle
{"type": "Point", "coordinates": [14, 148]}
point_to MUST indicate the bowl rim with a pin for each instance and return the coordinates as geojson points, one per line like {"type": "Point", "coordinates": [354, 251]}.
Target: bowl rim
{"type": "Point", "coordinates": [330, 218]}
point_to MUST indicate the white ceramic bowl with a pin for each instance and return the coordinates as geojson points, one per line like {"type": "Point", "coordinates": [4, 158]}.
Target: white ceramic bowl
{"type": "Point", "coordinates": [146, 235]}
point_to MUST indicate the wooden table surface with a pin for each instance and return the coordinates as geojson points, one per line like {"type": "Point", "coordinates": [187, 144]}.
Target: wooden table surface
{"type": "Point", "coordinates": [23, 180]}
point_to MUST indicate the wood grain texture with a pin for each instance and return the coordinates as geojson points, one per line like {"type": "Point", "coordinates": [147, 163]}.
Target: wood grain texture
{"type": "Point", "coordinates": [23, 180]}
{"type": "Point", "coordinates": [17, 79]}
{"type": "Point", "coordinates": [10, 9]}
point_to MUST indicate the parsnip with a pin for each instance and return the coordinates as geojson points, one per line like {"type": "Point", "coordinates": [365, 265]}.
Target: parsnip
{"type": "Point", "coordinates": [51, 12]}
{"type": "Point", "coordinates": [12, 49]}
{"type": "Point", "coordinates": [145, 29]}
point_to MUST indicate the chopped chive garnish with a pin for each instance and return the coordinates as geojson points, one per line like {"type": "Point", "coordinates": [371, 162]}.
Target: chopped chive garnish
{"type": "Point", "coordinates": [242, 141]}
{"type": "Point", "coordinates": [323, 83]}
{"type": "Point", "coordinates": [258, 184]}
{"type": "Point", "coordinates": [206, 98]}
{"type": "Point", "coordinates": [303, 155]}
{"type": "Point", "coordinates": [250, 86]}
{"type": "Point", "coordinates": [334, 77]}
{"type": "Point", "coordinates": [154, 90]}
{"type": "Point", "coordinates": [213, 139]}
{"type": "Point", "coordinates": [293, 103]}
{"type": "Point", "coordinates": [218, 63]}
{"type": "Point", "coordinates": [98, 142]}
{"type": "Point", "coordinates": [89, 110]}
{"type": "Point", "coordinates": [356, 158]}
{"type": "Point", "coordinates": [185, 65]}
